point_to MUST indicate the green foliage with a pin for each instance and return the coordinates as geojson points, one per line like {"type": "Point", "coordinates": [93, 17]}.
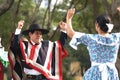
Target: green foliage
{"type": "Point", "coordinates": [7, 20]}
{"type": "Point", "coordinates": [26, 10]}
{"type": "Point", "coordinates": [6, 27]}
{"type": "Point", "coordinates": [1, 1]}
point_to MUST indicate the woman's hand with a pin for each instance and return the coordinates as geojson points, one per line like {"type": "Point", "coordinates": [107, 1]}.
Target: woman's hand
{"type": "Point", "coordinates": [70, 13]}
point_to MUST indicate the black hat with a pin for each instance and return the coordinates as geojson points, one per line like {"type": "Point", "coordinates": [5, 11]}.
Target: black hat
{"type": "Point", "coordinates": [34, 27]}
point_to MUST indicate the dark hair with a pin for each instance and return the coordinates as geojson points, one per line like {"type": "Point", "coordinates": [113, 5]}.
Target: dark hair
{"type": "Point", "coordinates": [102, 20]}
{"type": "Point", "coordinates": [32, 31]}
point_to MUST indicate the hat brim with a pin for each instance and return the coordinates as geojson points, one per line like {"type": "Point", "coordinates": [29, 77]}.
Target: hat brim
{"type": "Point", "coordinates": [44, 31]}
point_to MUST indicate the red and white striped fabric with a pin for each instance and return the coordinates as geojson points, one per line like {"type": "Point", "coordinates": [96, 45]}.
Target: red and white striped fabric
{"type": "Point", "coordinates": [60, 52]}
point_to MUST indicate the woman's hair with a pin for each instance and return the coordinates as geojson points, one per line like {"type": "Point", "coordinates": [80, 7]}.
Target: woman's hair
{"type": "Point", "coordinates": [102, 20]}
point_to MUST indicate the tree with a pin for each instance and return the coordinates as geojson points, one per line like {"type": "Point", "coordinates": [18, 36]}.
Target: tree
{"type": "Point", "coordinates": [6, 6]}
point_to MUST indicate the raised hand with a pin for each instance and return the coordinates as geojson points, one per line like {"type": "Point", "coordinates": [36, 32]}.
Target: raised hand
{"type": "Point", "coordinates": [70, 13]}
{"type": "Point", "coordinates": [20, 24]}
{"type": "Point", "coordinates": [63, 25]}
{"type": "Point", "coordinates": [69, 29]}
{"type": "Point", "coordinates": [118, 8]}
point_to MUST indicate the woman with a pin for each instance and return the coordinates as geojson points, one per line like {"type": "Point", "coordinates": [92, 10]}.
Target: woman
{"type": "Point", "coordinates": [103, 47]}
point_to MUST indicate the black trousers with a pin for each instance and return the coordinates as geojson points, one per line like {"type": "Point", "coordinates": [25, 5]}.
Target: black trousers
{"type": "Point", "coordinates": [36, 77]}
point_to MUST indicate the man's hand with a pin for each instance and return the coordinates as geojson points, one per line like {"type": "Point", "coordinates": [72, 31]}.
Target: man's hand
{"type": "Point", "coordinates": [118, 8]}
{"type": "Point", "coordinates": [63, 25]}
{"type": "Point", "coordinates": [20, 24]}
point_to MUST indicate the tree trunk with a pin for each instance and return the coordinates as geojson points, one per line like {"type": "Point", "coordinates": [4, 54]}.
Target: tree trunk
{"type": "Point", "coordinates": [6, 6]}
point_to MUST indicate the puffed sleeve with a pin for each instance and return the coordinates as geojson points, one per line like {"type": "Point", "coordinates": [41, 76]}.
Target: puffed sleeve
{"type": "Point", "coordinates": [78, 38]}
{"type": "Point", "coordinates": [118, 35]}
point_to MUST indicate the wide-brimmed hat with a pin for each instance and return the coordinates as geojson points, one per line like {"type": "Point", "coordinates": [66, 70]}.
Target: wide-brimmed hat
{"type": "Point", "coordinates": [35, 27]}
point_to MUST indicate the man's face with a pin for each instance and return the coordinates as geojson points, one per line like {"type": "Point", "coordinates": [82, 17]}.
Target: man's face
{"type": "Point", "coordinates": [36, 37]}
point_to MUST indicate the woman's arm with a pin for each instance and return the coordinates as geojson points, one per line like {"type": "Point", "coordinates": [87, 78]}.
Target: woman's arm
{"type": "Point", "coordinates": [69, 29]}
{"type": "Point", "coordinates": [68, 25]}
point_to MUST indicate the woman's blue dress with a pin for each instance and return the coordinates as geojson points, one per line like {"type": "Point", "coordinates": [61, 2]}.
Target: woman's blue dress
{"type": "Point", "coordinates": [103, 54]}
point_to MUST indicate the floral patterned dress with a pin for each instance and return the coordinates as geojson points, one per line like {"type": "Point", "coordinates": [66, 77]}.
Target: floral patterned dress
{"type": "Point", "coordinates": [103, 54]}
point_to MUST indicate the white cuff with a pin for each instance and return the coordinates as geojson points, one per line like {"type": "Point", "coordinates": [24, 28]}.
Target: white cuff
{"type": "Point", "coordinates": [63, 31]}
{"type": "Point", "coordinates": [17, 31]}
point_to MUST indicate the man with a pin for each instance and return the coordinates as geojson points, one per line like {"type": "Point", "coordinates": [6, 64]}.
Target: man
{"type": "Point", "coordinates": [38, 59]}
